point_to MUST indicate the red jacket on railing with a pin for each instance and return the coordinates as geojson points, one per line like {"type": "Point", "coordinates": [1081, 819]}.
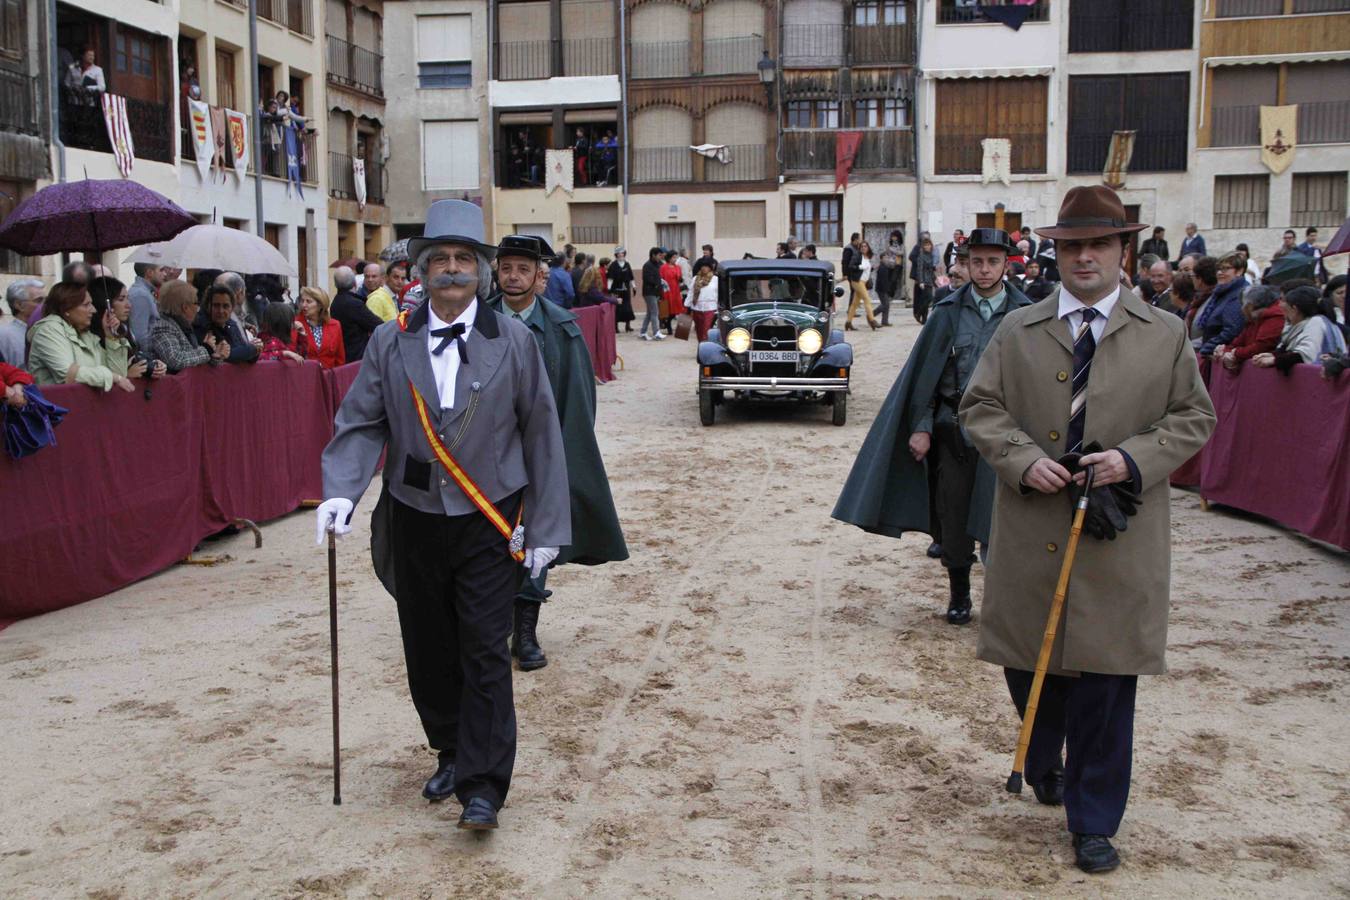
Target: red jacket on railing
{"type": "Point", "coordinates": [333, 353]}
{"type": "Point", "coordinates": [1260, 336]}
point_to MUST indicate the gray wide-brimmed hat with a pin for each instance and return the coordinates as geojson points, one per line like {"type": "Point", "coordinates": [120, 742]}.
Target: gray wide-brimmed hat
{"type": "Point", "coordinates": [452, 222]}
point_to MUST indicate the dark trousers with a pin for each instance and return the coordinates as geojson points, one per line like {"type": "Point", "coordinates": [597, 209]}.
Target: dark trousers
{"type": "Point", "coordinates": [456, 582]}
{"type": "Point", "coordinates": [922, 297]}
{"type": "Point", "coordinates": [1091, 718]}
{"type": "Point", "coordinates": [955, 483]}
{"type": "Point", "coordinates": [532, 589]}
{"type": "Point", "coordinates": [885, 312]}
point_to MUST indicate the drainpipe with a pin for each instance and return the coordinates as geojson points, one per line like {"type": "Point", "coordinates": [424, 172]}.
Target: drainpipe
{"type": "Point", "coordinates": [489, 194]}
{"type": "Point", "coordinates": [623, 104]}
{"type": "Point", "coordinates": [54, 92]}
{"type": "Point", "coordinates": [257, 119]}
{"type": "Point", "coordinates": [917, 117]}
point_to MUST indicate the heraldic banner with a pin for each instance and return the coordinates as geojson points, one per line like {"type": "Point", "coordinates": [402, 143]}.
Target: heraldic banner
{"type": "Point", "coordinates": [1279, 136]}
{"type": "Point", "coordinates": [119, 132]}
{"type": "Point", "coordinates": [1118, 159]}
{"type": "Point", "coordinates": [559, 171]}
{"type": "Point", "coordinates": [997, 163]}
{"type": "Point", "coordinates": [203, 144]}
{"type": "Point", "coordinates": [845, 151]}
{"type": "Point", "coordinates": [237, 124]}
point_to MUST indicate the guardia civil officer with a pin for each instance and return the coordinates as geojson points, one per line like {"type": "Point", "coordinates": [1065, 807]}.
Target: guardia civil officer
{"type": "Point", "coordinates": [917, 469]}
{"type": "Point", "coordinates": [474, 486]}
{"type": "Point", "coordinates": [596, 535]}
{"type": "Point", "coordinates": [1089, 367]}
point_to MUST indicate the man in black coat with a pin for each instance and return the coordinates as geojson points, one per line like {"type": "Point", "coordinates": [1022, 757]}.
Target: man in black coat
{"type": "Point", "coordinates": [351, 312]}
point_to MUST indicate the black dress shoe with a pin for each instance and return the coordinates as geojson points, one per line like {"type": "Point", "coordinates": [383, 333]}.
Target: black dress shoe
{"type": "Point", "coordinates": [935, 550]}
{"type": "Point", "coordinates": [1093, 853]}
{"type": "Point", "coordinates": [958, 609]}
{"type": "Point", "coordinates": [478, 815]}
{"type": "Point", "coordinates": [442, 784]}
{"type": "Point", "coordinates": [1050, 791]}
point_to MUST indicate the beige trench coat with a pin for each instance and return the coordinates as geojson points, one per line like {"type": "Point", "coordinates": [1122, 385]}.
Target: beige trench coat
{"type": "Point", "coordinates": [1145, 397]}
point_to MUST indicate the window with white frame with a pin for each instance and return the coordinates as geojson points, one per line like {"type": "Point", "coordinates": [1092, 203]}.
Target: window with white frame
{"type": "Point", "coordinates": [450, 155]}
{"type": "Point", "coordinates": [444, 51]}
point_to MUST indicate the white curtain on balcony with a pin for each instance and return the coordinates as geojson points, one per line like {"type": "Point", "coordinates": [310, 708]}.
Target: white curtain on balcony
{"type": "Point", "coordinates": [661, 138]}
{"type": "Point", "coordinates": [733, 36]}
{"type": "Point", "coordinates": [813, 33]}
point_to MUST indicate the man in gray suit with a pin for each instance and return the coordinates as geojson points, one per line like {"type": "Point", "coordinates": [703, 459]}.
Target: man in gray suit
{"type": "Point", "coordinates": [475, 481]}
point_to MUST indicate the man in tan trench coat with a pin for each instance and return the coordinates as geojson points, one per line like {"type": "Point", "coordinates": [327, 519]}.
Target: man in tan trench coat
{"type": "Point", "coordinates": [1090, 364]}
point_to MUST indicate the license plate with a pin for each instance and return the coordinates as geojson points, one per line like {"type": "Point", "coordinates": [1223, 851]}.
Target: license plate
{"type": "Point", "coordinates": [787, 356]}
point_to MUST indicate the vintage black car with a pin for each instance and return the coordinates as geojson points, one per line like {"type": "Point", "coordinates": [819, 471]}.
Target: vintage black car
{"type": "Point", "coordinates": [773, 338]}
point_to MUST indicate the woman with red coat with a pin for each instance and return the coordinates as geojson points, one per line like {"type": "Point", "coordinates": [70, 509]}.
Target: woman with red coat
{"type": "Point", "coordinates": [319, 332]}
{"type": "Point", "coordinates": [1265, 323]}
{"type": "Point", "coordinates": [670, 274]}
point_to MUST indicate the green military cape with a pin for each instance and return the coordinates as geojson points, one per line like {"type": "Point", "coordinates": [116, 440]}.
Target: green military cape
{"type": "Point", "coordinates": [596, 534]}
{"type": "Point", "coordinates": [887, 491]}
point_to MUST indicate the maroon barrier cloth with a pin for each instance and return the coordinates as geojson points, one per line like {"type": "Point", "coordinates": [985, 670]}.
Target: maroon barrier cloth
{"type": "Point", "coordinates": [1187, 474]}
{"type": "Point", "coordinates": [133, 485]}
{"type": "Point", "coordinates": [1282, 449]}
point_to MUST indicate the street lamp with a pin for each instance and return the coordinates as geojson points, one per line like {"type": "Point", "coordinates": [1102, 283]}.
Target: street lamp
{"type": "Point", "coordinates": [767, 72]}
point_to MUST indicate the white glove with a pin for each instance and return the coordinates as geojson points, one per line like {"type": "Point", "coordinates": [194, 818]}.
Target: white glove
{"type": "Point", "coordinates": [335, 514]}
{"type": "Point", "coordinates": [538, 558]}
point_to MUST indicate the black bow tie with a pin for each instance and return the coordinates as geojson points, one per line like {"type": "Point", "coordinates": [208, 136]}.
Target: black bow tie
{"type": "Point", "coordinates": [450, 333]}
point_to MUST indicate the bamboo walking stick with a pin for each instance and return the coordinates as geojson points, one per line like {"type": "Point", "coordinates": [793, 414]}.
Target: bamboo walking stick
{"type": "Point", "coordinates": [1014, 785]}
{"type": "Point", "coordinates": [333, 649]}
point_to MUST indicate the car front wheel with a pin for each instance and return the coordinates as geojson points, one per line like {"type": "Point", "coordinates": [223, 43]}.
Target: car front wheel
{"type": "Point", "coordinates": [840, 408]}
{"type": "Point", "coordinates": [706, 407]}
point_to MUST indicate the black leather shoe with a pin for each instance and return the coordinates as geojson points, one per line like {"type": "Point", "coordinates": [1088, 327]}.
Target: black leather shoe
{"type": "Point", "coordinates": [442, 784]}
{"type": "Point", "coordinates": [478, 815]}
{"type": "Point", "coordinates": [1050, 791]}
{"type": "Point", "coordinates": [958, 609]}
{"type": "Point", "coordinates": [935, 550]}
{"type": "Point", "coordinates": [1094, 854]}
{"type": "Point", "coordinates": [524, 643]}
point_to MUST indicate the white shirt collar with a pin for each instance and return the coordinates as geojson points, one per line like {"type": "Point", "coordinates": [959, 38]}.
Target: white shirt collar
{"type": "Point", "coordinates": [1069, 304]}
{"type": "Point", "coordinates": [434, 321]}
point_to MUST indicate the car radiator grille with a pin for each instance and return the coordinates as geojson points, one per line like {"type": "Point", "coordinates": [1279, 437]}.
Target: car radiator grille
{"type": "Point", "coordinates": [763, 338]}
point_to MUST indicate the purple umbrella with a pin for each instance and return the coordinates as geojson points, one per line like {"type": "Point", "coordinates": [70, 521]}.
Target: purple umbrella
{"type": "Point", "coordinates": [91, 215]}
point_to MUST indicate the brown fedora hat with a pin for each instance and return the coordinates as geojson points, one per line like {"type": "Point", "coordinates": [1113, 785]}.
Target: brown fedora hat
{"type": "Point", "coordinates": [1090, 212]}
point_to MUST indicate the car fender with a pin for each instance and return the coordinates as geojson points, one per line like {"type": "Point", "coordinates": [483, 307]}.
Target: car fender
{"type": "Point", "coordinates": [836, 356]}
{"type": "Point", "coordinates": [715, 335]}
{"type": "Point", "coordinates": [836, 337]}
{"type": "Point", "coordinates": [712, 354]}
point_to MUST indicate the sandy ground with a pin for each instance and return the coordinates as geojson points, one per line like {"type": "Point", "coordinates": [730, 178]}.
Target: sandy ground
{"type": "Point", "coordinates": [761, 702]}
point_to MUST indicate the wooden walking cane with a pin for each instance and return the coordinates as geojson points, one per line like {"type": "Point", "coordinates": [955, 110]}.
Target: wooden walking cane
{"type": "Point", "coordinates": [1014, 785]}
{"type": "Point", "coordinates": [333, 648]}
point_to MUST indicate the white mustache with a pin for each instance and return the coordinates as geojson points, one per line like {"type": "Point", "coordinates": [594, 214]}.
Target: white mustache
{"type": "Point", "coordinates": [451, 279]}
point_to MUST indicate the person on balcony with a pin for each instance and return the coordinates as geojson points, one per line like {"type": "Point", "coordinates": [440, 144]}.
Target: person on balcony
{"type": "Point", "coordinates": [608, 149]}
{"type": "Point", "coordinates": [84, 80]}
{"type": "Point", "coordinates": [581, 149]}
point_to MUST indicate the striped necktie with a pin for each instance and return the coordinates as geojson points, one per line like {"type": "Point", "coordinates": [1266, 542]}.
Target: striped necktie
{"type": "Point", "coordinates": [1084, 346]}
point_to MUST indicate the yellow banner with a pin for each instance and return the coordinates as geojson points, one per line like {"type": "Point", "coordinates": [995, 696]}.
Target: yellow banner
{"type": "Point", "coordinates": [1279, 136]}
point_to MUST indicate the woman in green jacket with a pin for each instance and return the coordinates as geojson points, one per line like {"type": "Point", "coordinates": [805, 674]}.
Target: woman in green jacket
{"type": "Point", "coordinates": [63, 350]}
{"type": "Point", "coordinates": [112, 326]}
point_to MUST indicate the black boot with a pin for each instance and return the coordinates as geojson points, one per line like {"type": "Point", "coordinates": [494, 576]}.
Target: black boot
{"type": "Point", "coordinates": [524, 644]}
{"type": "Point", "coordinates": [958, 610]}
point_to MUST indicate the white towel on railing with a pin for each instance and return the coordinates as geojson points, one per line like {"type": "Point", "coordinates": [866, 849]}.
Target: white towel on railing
{"type": "Point", "coordinates": [719, 152]}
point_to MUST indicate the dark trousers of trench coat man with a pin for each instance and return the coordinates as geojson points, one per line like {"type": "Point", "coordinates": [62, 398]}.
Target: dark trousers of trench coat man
{"type": "Point", "coordinates": [1144, 398]}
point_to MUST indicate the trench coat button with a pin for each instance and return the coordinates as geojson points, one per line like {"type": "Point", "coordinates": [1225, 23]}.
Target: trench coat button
{"type": "Point", "coordinates": [1054, 435]}
{"type": "Point", "coordinates": [1003, 453]}
{"type": "Point", "coordinates": [1162, 440]}
{"type": "Point", "coordinates": [1062, 376]}
{"type": "Point", "coordinates": [1052, 547]}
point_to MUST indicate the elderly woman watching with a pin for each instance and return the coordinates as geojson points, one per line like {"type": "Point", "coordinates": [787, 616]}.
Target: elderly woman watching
{"type": "Point", "coordinates": [64, 350]}
{"type": "Point", "coordinates": [1265, 322]}
{"type": "Point", "coordinates": [1309, 336]}
{"type": "Point", "coordinates": [175, 342]}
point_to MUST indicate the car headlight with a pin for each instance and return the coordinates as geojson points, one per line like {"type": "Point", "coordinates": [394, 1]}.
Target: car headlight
{"type": "Point", "coordinates": [809, 342]}
{"type": "Point", "coordinates": [738, 340]}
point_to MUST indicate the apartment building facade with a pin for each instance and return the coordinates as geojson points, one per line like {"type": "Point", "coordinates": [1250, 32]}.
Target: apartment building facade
{"type": "Point", "coordinates": [25, 118]}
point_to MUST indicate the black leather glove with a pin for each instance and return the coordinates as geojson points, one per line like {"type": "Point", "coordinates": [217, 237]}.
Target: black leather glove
{"type": "Point", "coordinates": [1109, 506]}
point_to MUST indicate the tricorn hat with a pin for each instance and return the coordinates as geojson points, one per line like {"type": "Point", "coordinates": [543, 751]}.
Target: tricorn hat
{"type": "Point", "coordinates": [526, 245]}
{"type": "Point", "coordinates": [452, 222]}
{"type": "Point", "coordinates": [1090, 212]}
{"type": "Point", "coordinates": [989, 237]}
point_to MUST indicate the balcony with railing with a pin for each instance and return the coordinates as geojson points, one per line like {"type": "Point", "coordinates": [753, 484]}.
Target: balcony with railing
{"type": "Point", "coordinates": [588, 56]}
{"type": "Point", "coordinates": [747, 163]}
{"type": "Point", "coordinates": [82, 127]}
{"type": "Point", "coordinates": [660, 59]}
{"type": "Point", "coordinates": [1227, 9]}
{"type": "Point", "coordinates": [342, 179]}
{"type": "Point", "coordinates": [274, 158]}
{"type": "Point", "coordinates": [881, 150]}
{"type": "Point", "coordinates": [297, 15]}
{"type": "Point", "coordinates": [732, 55]}
{"type": "Point", "coordinates": [966, 12]}
{"type": "Point", "coordinates": [830, 46]}
{"type": "Point", "coordinates": [1159, 151]}
{"type": "Point", "coordinates": [1326, 122]}
{"type": "Point", "coordinates": [963, 154]}
{"type": "Point", "coordinates": [1235, 126]}
{"type": "Point", "coordinates": [663, 164]}
{"type": "Point", "coordinates": [355, 67]}
{"type": "Point", "coordinates": [808, 46]}
{"type": "Point", "coordinates": [18, 102]}
{"type": "Point", "coordinates": [887, 45]}
{"type": "Point", "coordinates": [523, 60]}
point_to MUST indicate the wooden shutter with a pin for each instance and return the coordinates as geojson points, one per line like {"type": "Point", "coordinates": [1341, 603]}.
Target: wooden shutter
{"type": "Point", "coordinates": [1095, 107]}
{"type": "Point", "coordinates": [962, 109]}
{"type": "Point", "coordinates": [1156, 107]}
{"type": "Point", "coordinates": [972, 109]}
{"type": "Point", "coordinates": [1318, 199]}
{"type": "Point", "coordinates": [1241, 201]}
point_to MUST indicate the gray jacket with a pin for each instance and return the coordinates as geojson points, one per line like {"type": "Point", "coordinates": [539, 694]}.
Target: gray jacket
{"type": "Point", "coordinates": [503, 430]}
{"type": "Point", "coordinates": [144, 310]}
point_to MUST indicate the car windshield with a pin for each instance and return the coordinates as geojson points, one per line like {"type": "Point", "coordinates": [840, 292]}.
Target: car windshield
{"type": "Point", "coordinates": [765, 288]}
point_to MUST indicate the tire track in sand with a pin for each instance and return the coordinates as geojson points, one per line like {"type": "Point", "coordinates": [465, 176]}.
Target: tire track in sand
{"type": "Point", "coordinates": [810, 771]}
{"type": "Point", "coordinates": [592, 768]}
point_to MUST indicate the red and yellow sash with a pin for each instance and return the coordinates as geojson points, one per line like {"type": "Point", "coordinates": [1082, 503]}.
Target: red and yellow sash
{"type": "Point", "coordinates": [466, 484]}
